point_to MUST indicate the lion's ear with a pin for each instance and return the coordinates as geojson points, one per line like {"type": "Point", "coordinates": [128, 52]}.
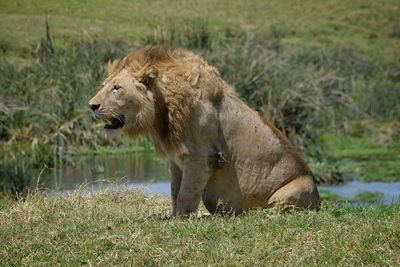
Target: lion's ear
{"type": "Point", "coordinates": [112, 65]}
{"type": "Point", "coordinates": [147, 74]}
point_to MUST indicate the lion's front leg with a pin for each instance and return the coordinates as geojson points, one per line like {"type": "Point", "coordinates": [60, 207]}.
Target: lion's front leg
{"type": "Point", "coordinates": [176, 178]}
{"type": "Point", "coordinates": [195, 176]}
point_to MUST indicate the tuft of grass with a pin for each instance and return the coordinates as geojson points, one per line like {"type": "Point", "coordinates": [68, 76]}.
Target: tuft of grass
{"type": "Point", "coordinates": [329, 196]}
{"type": "Point", "coordinates": [395, 32]}
{"type": "Point", "coordinates": [361, 198]}
{"type": "Point", "coordinates": [128, 228]}
{"type": "Point", "coordinates": [368, 197]}
{"type": "Point", "coordinates": [193, 35]}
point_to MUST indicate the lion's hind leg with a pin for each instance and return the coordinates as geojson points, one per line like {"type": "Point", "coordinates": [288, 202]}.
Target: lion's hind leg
{"type": "Point", "coordinates": [301, 193]}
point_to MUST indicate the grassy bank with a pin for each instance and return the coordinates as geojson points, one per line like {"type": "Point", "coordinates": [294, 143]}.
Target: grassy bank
{"type": "Point", "coordinates": [330, 69]}
{"type": "Point", "coordinates": [127, 228]}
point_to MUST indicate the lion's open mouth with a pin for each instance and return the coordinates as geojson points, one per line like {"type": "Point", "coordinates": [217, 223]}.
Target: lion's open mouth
{"type": "Point", "coordinates": [115, 123]}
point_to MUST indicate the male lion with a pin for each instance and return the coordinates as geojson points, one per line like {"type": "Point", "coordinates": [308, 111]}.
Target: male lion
{"type": "Point", "coordinates": [220, 150]}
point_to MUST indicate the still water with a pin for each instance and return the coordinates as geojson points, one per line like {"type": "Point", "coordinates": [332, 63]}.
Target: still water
{"type": "Point", "coordinates": [95, 172]}
{"type": "Point", "coordinates": [390, 191]}
{"type": "Point", "coordinates": [147, 172]}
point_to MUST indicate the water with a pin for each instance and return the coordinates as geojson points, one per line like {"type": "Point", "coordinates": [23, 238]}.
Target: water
{"type": "Point", "coordinates": [94, 172]}
{"type": "Point", "coordinates": [147, 172]}
{"type": "Point", "coordinates": [390, 191]}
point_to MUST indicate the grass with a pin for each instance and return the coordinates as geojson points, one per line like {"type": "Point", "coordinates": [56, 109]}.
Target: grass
{"type": "Point", "coordinates": [368, 197]}
{"type": "Point", "coordinates": [131, 229]}
{"type": "Point", "coordinates": [363, 158]}
{"type": "Point", "coordinates": [362, 198]}
{"type": "Point", "coordinates": [327, 195]}
{"type": "Point", "coordinates": [370, 26]}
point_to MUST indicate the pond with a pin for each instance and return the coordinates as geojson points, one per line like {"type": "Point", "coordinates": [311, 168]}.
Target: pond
{"type": "Point", "coordinates": [147, 172]}
{"type": "Point", "coordinates": [143, 170]}
{"type": "Point", "coordinates": [360, 193]}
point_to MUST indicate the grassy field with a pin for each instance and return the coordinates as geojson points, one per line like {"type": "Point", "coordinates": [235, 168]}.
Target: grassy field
{"type": "Point", "coordinates": [369, 25]}
{"type": "Point", "coordinates": [130, 229]}
{"type": "Point", "coordinates": [324, 72]}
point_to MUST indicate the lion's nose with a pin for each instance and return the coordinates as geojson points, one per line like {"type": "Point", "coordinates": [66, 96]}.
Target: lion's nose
{"type": "Point", "coordinates": [94, 106]}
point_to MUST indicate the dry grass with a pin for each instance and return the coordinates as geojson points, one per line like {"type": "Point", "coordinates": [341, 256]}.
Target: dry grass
{"type": "Point", "coordinates": [130, 229]}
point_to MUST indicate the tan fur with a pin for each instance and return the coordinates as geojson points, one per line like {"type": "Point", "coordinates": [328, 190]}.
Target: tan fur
{"type": "Point", "coordinates": [219, 149]}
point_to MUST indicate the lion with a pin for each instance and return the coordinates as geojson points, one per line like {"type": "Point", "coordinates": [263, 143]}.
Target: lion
{"type": "Point", "coordinates": [220, 151]}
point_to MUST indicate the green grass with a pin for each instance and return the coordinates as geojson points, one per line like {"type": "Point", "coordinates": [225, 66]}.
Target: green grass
{"type": "Point", "coordinates": [370, 197]}
{"type": "Point", "coordinates": [361, 198]}
{"type": "Point", "coordinates": [362, 158]}
{"type": "Point", "coordinates": [130, 229]}
{"type": "Point", "coordinates": [348, 147]}
{"type": "Point", "coordinates": [368, 25]}
{"type": "Point", "coordinates": [327, 195]}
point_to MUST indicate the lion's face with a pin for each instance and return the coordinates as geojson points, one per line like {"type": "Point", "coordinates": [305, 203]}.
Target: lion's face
{"type": "Point", "coordinates": [124, 102]}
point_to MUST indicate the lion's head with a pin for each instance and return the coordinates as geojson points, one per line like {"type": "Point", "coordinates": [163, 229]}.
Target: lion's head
{"type": "Point", "coordinates": [128, 99]}
{"type": "Point", "coordinates": [148, 92]}
{"type": "Point", "coordinates": [152, 92]}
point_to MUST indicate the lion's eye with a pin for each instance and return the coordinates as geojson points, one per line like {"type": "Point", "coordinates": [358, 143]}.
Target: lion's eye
{"type": "Point", "coordinates": [146, 82]}
{"type": "Point", "coordinates": [116, 87]}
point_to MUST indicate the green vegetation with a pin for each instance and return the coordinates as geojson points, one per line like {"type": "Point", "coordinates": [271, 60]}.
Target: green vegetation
{"type": "Point", "coordinates": [330, 196]}
{"type": "Point", "coordinates": [371, 26]}
{"type": "Point", "coordinates": [362, 158]}
{"type": "Point", "coordinates": [360, 198]}
{"type": "Point", "coordinates": [312, 68]}
{"type": "Point", "coordinates": [368, 196]}
{"type": "Point", "coordinates": [130, 229]}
